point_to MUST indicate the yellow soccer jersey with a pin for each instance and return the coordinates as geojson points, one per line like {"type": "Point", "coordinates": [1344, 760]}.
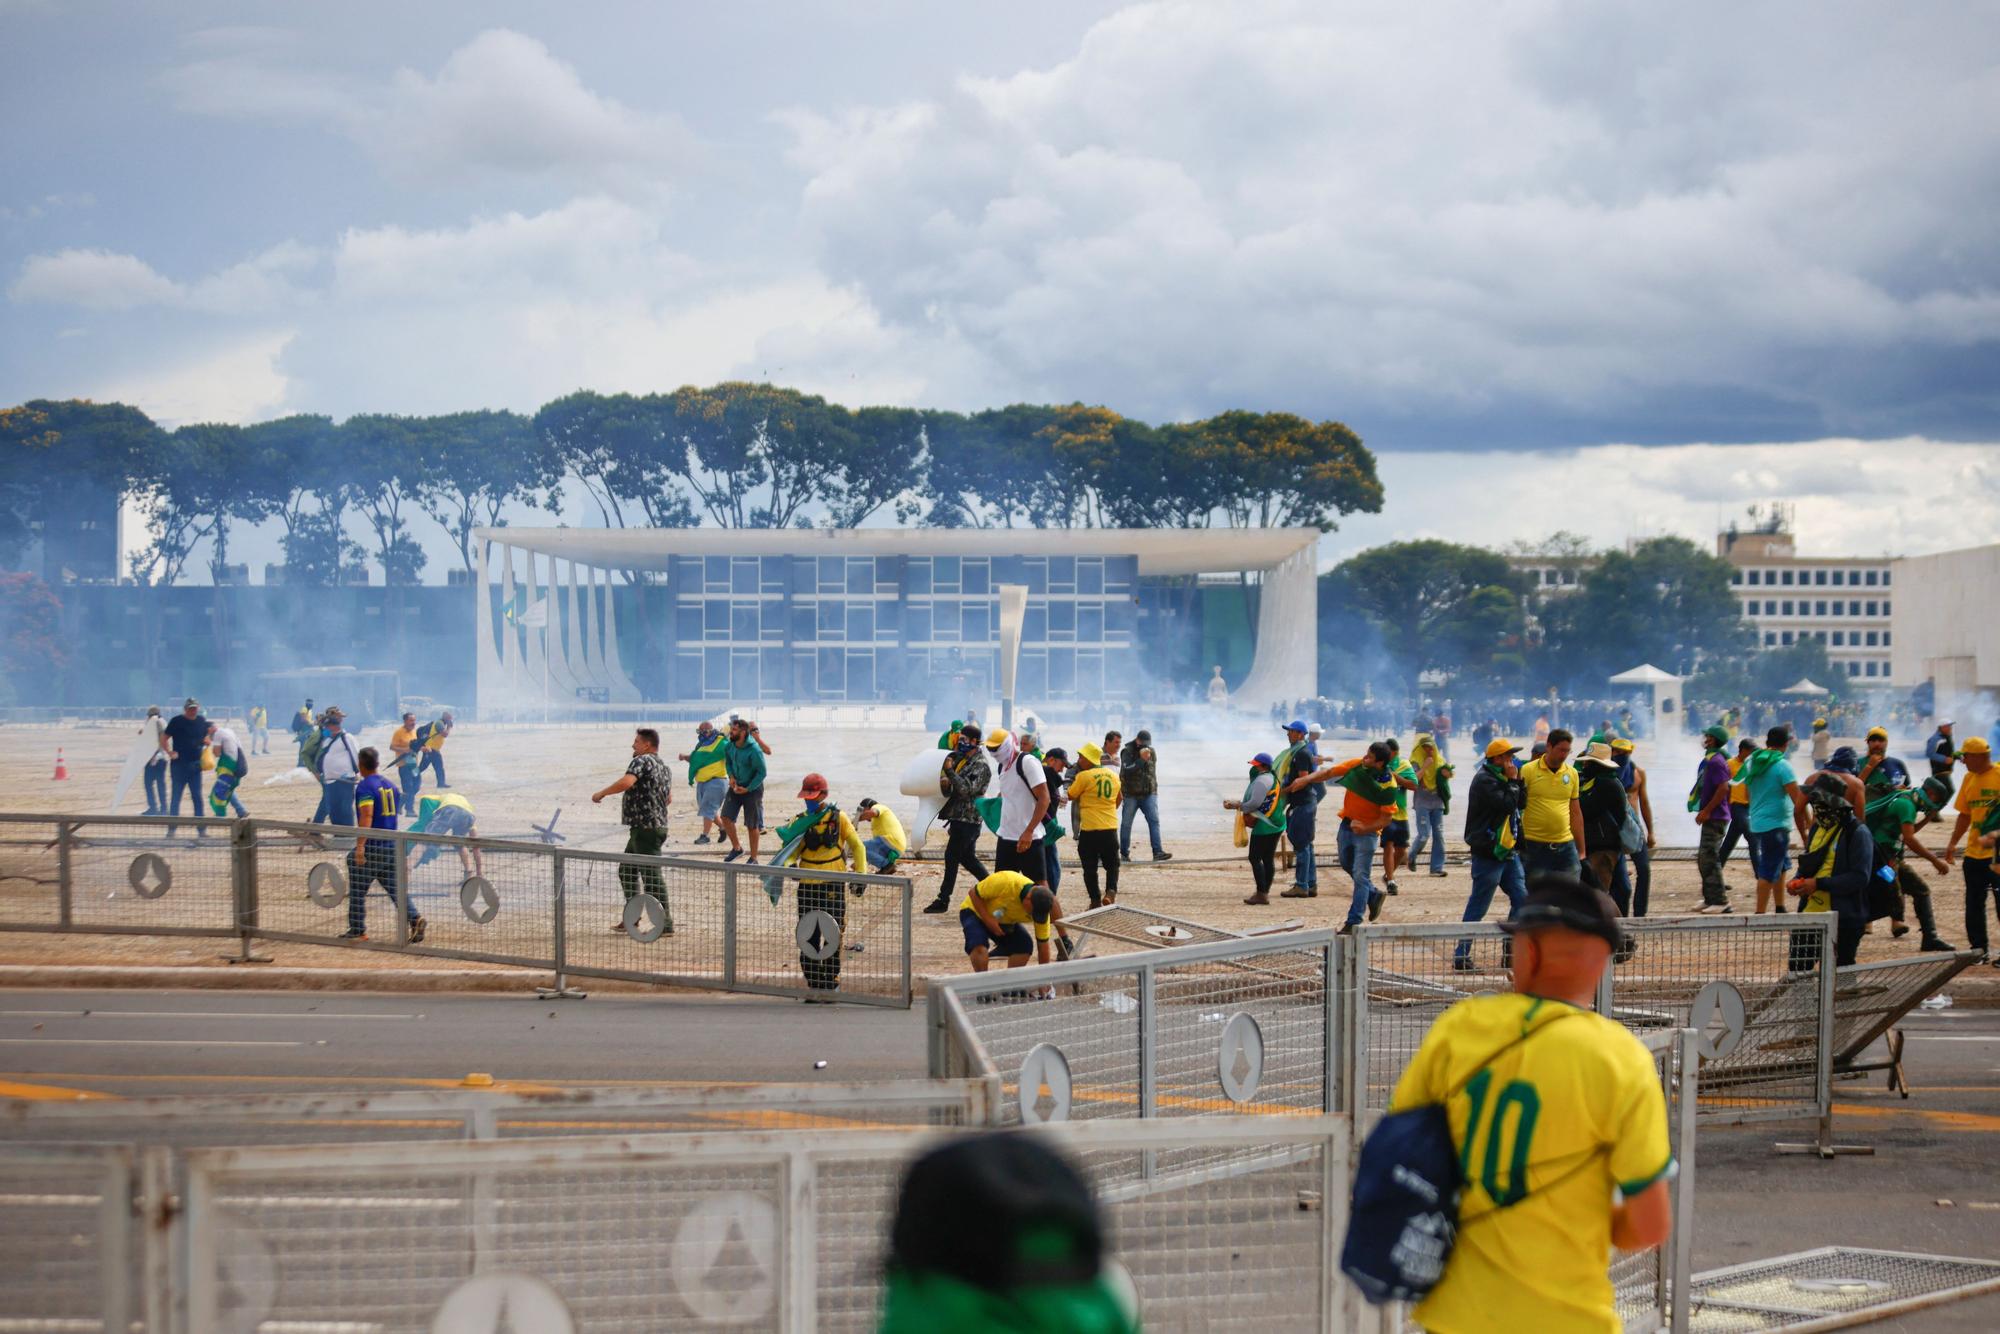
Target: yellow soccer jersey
{"type": "Point", "coordinates": [1096, 792]}
{"type": "Point", "coordinates": [1002, 893]}
{"type": "Point", "coordinates": [1547, 1129]}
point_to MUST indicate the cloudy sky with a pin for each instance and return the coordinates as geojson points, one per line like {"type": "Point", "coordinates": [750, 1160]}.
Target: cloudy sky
{"type": "Point", "coordinates": [1615, 268]}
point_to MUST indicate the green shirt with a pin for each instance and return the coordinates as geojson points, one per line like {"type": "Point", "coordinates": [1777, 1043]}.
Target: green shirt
{"type": "Point", "coordinates": [1402, 769]}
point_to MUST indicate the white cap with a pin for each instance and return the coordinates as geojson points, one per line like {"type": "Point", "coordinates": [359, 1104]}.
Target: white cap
{"type": "Point", "coordinates": [1313, 730]}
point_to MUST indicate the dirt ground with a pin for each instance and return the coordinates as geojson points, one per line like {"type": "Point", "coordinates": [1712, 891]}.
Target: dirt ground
{"type": "Point", "coordinates": [519, 776]}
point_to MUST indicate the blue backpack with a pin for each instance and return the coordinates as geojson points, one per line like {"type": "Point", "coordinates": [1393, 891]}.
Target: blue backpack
{"type": "Point", "coordinates": [1403, 1220]}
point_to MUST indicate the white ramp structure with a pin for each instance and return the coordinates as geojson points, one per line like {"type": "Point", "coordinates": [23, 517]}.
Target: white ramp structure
{"type": "Point", "coordinates": [873, 616]}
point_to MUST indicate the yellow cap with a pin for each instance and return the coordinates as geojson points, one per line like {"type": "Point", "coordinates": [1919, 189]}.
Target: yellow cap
{"type": "Point", "coordinates": [1091, 751]}
{"type": "Point", "coordinates": [1975, 745]}
{"type": "Point", "coordinates": [995, 737]}
{"type": "Point", "coordinates": [1874, 732]}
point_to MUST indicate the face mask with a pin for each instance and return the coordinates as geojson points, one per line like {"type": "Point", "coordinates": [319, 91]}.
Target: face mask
{"type": "Point", "coordinates": [815, 806]}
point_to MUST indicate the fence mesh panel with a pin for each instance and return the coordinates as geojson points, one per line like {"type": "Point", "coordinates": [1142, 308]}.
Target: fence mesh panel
{"type": "Point", "coordinates": [30, 873]}
{"type": "Point", "coordinates": [59, 1243]}
{"type": "Point", "coordinates": [1836, 1284]}
{"type": "Point", "coordinates": [1410, 978]}
{"type": "Point", "coordinates": [1868, 998]}
{"type": "Point", "coordinates": [153, 877]}
{"type": "Point", "coordinates": [1776, 1069]}
{"type": "Point", "coordinates": [1279, 1066]}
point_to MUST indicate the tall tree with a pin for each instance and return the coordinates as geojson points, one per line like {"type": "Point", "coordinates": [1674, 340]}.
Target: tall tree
{"type": "Point", "coordinates": [33, 649]}
{"type": "Point", "coordinates": [621, 448]}
{"type": "Point", "coordinates": [389, 468]}
{"type": "Point", "coordinates": [1666, 602]}
{"type": "Point", "coordinates": [482, 462]}
{"type": "Point", "coordinates": [1437, 607]}
{"type": "Point", "coordinates": [71, 458]}
{"type": "Point", "coordinates": [1276, 470]}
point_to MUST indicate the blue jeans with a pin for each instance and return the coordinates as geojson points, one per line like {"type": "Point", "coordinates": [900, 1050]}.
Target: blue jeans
{"type": "Point", "coordinates": [1357, 858]}
{"type": "Point", "coordinates": [1549, 859]}
{"type": "Point", "coordinates": [411, 779]}
{"type": "Point", "coordinates": [880, 855]}
{"type": "Point", "coordinates": [1133, 805]}
{"type": "Point", "coordinates": [339, 799]}
{"type": "Point", "coordinates": [156, 788]}
{"type": "Point", "coordinates": [1487, 875]}
{"type": "Point", "coordinates": [433, 759]}
{"type": "Point", "coordinates": [186, 778]}
{"type": "Point", "coordinates": [1632, 886]}
{"type": "Point", "coordinates": [1427, 827]}
{"type": "Point", "coordinates": [1055, 863]}
{"type": "Point", "coordinates": [1301, 826]}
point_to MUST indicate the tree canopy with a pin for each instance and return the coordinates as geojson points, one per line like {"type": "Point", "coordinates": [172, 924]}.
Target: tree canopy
{"type": "Point", "coordinates": [1435, 607]}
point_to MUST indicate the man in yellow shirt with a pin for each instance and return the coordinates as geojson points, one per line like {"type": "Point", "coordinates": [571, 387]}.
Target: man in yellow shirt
{"type": "Point", "coordinates": [827, 843]}
{"type": "Point", "coordinates": [886, 842]}
{"type": "Point", "coordinates": [403, 759]}
{"type": "Point", "coordinates": [1978, 806]}
{"type": "Point", "coordinates": [1096, 792]}
{"type": "Point", "coordinates": [1552, 824]}
{"type": "Point", "coordinates": [1552, 1106]}
{"type": "Point", "coordinates": [996, 914]}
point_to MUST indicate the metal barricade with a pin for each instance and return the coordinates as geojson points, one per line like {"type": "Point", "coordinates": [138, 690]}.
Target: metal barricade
{"type": "Point", "coordinates": [820, 935]}
{"type": "Point", "coordinates": [1230, 1026]}
{"type": "Point", "coordinates": [67, 1238]}
{"type": "Point", "coordinates": [774, 1231]}
{"type": "Point", "coordinates": [1868, 999]}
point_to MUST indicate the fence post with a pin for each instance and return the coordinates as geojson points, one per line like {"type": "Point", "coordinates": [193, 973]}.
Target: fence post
{"type": "Point", "coordinates": [399, 850]}
{"type": "Point", "coordinates": [909, 899]}
{"type": "Point", "coordinates": [65, 831]}
{"type": "Point", "coordinates": [729, 928]}
{"type": "Point", "coordinates": [1149, 1040]}
{"type": "Point", "coordinates": [161, 1235]}
{"type": "Point", "coordinates": [559, 947]}
{"type": "Point", "coordinates": [1332, 1085]}
{"type": "Point", "coordinates": [1829, 973]}
{"type": "Point", "coordinates": [799, 1240]}
{"type": "Point", "coordinates": [243, 883]}
{"type": "Point", "coordinates": [118, 1202]}
{"type": "Point", "coordinates": [1681, 1242]}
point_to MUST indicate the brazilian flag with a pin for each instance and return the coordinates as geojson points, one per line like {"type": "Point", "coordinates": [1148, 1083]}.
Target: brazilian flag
{"type": "Point", "coordinates": [1369, 785]}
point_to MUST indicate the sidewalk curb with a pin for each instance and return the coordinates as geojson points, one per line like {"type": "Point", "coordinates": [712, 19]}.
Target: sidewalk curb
{"type": "Point", "coordinates": [263, 977]}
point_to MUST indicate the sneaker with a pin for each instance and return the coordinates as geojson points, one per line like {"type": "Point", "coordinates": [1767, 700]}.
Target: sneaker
{"type": "Point", "coordinates": [667, 930]}
{"type": "Point", "coordinates": [1899, 929]}
{"type": "Point", "coordinates": [1440, 874]}
{"type": "Point", "coordinates": [1936, 946]}
{"type": "Point", "coordinates": [1391, 887]}
{"type": "Point", "coordinates": [618, 927]}
{"type": "Point", "coordinates": [704, 838]}
{"type": "Point", "coordinates": [1258, 900]}
{"type": "Point", "coordinates": [1462, 963]}
{"type": "Point", "coordinates": [734, 853]}
{"type": "Point", "coordinates": [1346, 929]}
{"type": "Point", "coordinates": [937, 905]}
{"type": "Point", "coordinates": [352, 935]}
{"type": "Point", "coordinates": [1299, 892]}
{"type": "Point", "coordinates": [1711, 909]}
{"type": "Point", "coordinates": [1375, 902]}
{"type": "Point", "coordinates": [1163, 856]}
{"type": "Point", "coordinates": [417, 925]}
{"type": "Point", "coordinates": [750, 861]}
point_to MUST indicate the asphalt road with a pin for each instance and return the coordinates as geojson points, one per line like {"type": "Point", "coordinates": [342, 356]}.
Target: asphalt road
{"type": "Point", "coordinates": [1942, 1144]}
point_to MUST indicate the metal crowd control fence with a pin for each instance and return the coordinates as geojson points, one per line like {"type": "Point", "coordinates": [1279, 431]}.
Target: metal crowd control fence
{"type": "Point", "coordinates": [772, 1231]}
{"type": "Point", "coordinates": [1225, 1027]}
{"type": "Point", "coordinates": [1870, 997]}
{"type": "Point", "coordinates": [666, 920]}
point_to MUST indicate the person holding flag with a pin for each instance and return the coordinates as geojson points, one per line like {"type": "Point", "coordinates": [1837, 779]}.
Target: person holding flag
{"type": "Point", "coordinates": [1262, 816]}
{"type": "Point", "coordinates": [1365, 811]}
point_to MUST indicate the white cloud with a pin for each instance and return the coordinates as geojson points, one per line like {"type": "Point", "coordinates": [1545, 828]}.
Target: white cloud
{"type": "Point", "coordinates": [1437, 210]}
{"type": "Point", "coordinates": [93, 280]}
{"type": "Point", "coordinates": [502, 104]}
{"type": "Point", "coordinates": [239, 382]}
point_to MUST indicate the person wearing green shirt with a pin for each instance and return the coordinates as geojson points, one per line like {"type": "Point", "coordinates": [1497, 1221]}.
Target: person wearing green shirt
{"type": "Point", "coordinates": [708, 775]}
{"type": "Point", "coordinates": [1894, 817]}
{"type": "Point", "coordinates": [743, 761]}
{"type": "Point", "coordinates": [1396, 838]}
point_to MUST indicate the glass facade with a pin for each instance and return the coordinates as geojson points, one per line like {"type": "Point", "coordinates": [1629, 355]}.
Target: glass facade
{"type": "Point", "coordinates": [865, 628]}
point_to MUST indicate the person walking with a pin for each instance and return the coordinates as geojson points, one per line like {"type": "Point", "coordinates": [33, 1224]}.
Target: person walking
{"type": "Point", "coordinates": [886, 842]}
{"type": "Point", "coordinates": [1776, 807]}
{"type": "Point", "coordinates": [1366, 808]}
{"type": "Point", "coordinates": [1978, 807]}
{"type": "Point", "coordinates": [1563, 1107]}
{"type": "Point", "coordinates": [963, 778]}
{"type": "Point", "coordinates": [1739, 800]}
{"type": "Point", "coordinates": [1139, 781]}
{"type": "Point", "coordinates": [1634, 870]}
{"type": "Point", "coordinates": [1262, 812]}
{"type": "Point", "coordinates": [231, 767]}
{"type": "Point", "coordinates": [154, 771]}
{"type": "Point", "coordinates": [339, 767]}
{"type": "Point", "coordinates": [374, 861]}
{"type": "Point", "coordinates": [1301, 823]}
{"type": "Point", "coordinates": [1938, 750]}
{"type": "Point", "coordinates": [1094, 795]}
{"type": "Point", "coordinates": [260, 730]}
{"type": "Point", "coordinates": [1822, 743]}
{"type": "Point", "coordinates": [708, 775]}
{"type": "Point", "coordinates": [1601, 798]}
{"type": "Point", "coordinates": [1834, 869]}
{"type": "Point", "coordinates": [1396, 838]}
{"type": "Point", "coordinates": [1429, 801]}
{"type": "Point", "coordinates": [743, 762]}
{"type": "Point", "coordinates": [827, 842]}
{"type": "Point", "coordinates": [644, 792]}
{"type": "Point", "coordinates": [404, 758]}
{"type": "Point", "coordinates": [305, 727]}
{"type": "Point", "coordinates": [1024, 802]}
{"type": "Point", "coordinates": [1893, 821]}
{"type": "Point", "coordinates": [1055, 770]}
{"type": "Point", "coordinates": [431, 738]}
{"type": "Point", "coordinates": [1552, 837]}
{"type": "Point", "coordinates": [185, 735]}
{"type": "Point", "coordinates": [1493, 807]}
{"type": "Point", "coordinates": [1709, 800]}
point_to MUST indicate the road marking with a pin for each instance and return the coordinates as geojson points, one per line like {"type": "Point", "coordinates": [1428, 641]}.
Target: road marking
{"type": "Point", "coordinates": [1960, 1121]}
{"type": "Point", "coordinates": [184, 1014]}
{"type": "Point", "coordinates": [50, 1093]}
{"type": "Point", "coordinates": [137, 1042]}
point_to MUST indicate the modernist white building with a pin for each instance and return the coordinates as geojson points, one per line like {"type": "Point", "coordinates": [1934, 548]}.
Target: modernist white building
{"type": "Point", "coordinates": [865, 615]}
{"type": "Point", "coordinates": [1947, 624]}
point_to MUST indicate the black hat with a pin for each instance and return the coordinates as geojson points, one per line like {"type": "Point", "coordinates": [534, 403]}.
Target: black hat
{"type": "Point", "coordinates": [1564, 900]}
{"type": "Point", "coordinates": [1036, 1213]}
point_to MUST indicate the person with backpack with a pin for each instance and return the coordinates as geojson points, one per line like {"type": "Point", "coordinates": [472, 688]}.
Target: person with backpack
{"type": "Point", "coordinates": [339, 767]}
{"type": "Point", "coordinates": [1634, 871]}
{"type": "Point", "coordinates": [1709, 800]}
{"type": "Point", "coordinates": [1526, 1138]}
{"type": "Point", "coordinates": [1602, 798]}
{"type": "Point", "coordinates": [963, 777]}
{"type": "Point", "coordinates": [1262, 812]}
{"type": "Point", "coordinates": [1493, 807]}
{"type": "Point", "coordinates": [430, 743]}
{"type": "Point", "coordinates": [1834, 871]}
{"type": "Point", "coordinates": [1139, 781]}
{"type": "Point", "coordinates": [1894, 817]}
{"type": "Point", "coordinates": [827, 842]}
